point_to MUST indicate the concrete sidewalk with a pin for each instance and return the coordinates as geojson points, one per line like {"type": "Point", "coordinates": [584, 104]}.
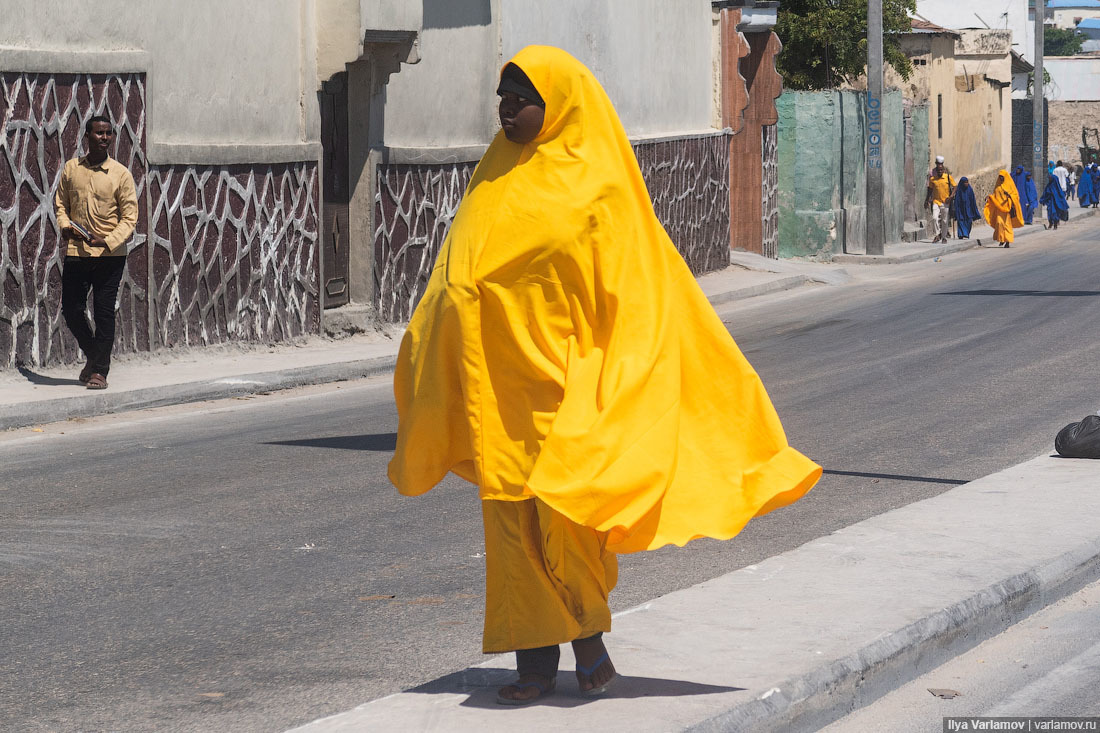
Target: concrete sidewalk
{"type": "Point", "coordinates": [33, 396]}
{"type": "Point", "coordinates": [804, 637]}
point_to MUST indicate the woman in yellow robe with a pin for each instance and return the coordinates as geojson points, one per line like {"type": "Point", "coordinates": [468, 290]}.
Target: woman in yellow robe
{"type": "Point", "coordinates": [564, 360]}
{"type": "Point", "coordinates": [1002, 210]}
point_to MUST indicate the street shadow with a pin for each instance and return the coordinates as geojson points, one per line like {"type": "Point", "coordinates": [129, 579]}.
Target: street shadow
{"type": "Point", "coordinates": [35, 378]}
{"type": "Point", "coordinates": [482, 683]}
{"type": "Point", "coordinates": [371, 442]}
{"type": "Point", "coordinates": [898, 477]}
{"type": "Point", "coordinates": [1029, 293]}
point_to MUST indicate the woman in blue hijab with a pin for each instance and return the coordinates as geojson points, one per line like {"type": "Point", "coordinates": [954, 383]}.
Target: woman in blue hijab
{"type": "Point", "coordinates": [1086, 188]}
{"type": "Point", "coordinates": [964, 208]}
{"type": "Point", "coordinates": [1029, 198]}
{"type": "Point", "coordinates": [1054, 198]}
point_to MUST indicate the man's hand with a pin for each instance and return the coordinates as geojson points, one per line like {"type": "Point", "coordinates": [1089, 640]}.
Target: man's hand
{"type": "Point", "coordinates": [98, 242]}
{"type": "Point", "coordinates": [68, 232]}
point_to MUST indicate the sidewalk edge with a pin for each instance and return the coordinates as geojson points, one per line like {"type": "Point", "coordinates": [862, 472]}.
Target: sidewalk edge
{"type": "Point", "coordinates": [57, 410]}
{"type": "Point", "coordinates": [828, 693]}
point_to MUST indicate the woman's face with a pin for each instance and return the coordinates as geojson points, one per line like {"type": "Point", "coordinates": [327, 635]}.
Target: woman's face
{"type": "Point", "coordinates": [521, 119]}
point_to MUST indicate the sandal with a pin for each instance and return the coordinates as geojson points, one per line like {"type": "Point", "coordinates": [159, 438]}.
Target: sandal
{"type": "Point", "coordinates": [544, 688]}
{"type": "Point", "coordinates": [85, 373]}
{"type": "Point", "coordinates": [96, 381]}
{"type": "Point", "coordinates": [587, 672]}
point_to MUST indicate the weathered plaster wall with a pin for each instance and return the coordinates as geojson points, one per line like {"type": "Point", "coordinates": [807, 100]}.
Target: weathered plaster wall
{"type": "Point", "coordinates": [1066, 121]}
{"type": "Point", "coordinates": [979, 130]}
{"type": "Point", "coordinates": [822, 172]}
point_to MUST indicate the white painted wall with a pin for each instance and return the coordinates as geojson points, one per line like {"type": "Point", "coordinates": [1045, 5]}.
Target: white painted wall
{"type": "Point", "coordinates": [219, 72]}
{"type": "Point", "coordinates": [1073, 78]}
{"type": "Point", "coordinates": [654, 58]}
{"type": "Point", "coordinates": [997, 14]}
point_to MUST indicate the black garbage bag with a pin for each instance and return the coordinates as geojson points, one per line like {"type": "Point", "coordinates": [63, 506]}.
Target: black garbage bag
{"type": "Point", "coordinates": [1080, 439]}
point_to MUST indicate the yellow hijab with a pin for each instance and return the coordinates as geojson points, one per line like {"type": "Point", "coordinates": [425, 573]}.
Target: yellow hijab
{"type": "Point", "coordinates": [563, 350]}
{"type": "Point", "coordinates": [997, 202]}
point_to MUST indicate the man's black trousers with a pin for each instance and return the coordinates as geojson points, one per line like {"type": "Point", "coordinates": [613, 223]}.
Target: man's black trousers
{"type": "Point", "coordinates": [102, 275]}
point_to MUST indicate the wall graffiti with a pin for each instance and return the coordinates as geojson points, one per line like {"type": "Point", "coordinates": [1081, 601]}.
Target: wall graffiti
{"type": "Point", "coordinates": [770, 190]}
{"type": "Point", "coordinates": [687, 178]}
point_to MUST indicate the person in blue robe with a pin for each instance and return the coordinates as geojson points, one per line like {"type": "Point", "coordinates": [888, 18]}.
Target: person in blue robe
{"type": "Point", "coordinates": [1086, 188]}
{"type": "Point", "coordinates": [964, 208]}
{"type": "Point", "coordinates": [1095, 184]}
{"type": "Point", "coordinates": [1029, 198]}
{"type": "Point", "coordinates": [1054, 198]}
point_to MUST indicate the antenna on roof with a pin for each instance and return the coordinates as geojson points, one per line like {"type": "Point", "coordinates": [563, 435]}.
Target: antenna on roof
{"type": "Point", "coordinates": [980, 18]}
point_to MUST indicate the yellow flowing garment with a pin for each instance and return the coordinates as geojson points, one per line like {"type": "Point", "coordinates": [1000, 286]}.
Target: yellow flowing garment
{"type": "Point", "coordinates": [563, 350]}
{"type": "Point", "coordinates": [1002, 209]}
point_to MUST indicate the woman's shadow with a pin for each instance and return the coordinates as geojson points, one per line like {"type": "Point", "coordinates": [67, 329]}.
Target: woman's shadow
{"type": "Point", "coordinates": [35, 378]}
{"type": "Point", "coordinates": [481, 684]}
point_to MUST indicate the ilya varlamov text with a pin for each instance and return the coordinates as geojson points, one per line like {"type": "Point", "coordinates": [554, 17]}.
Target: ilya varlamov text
{"type": "Point", "coordinates": [951, 725]}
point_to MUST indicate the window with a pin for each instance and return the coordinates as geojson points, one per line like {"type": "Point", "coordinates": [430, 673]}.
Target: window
{"type": "Point", "coordinates": [939, 116]}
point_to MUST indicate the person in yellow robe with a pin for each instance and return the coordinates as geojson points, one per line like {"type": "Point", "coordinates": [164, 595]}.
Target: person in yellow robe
{"type": "Point", "coordinates": [1002, 210]}
{"type": "Point", "coordinates": [564, 360]}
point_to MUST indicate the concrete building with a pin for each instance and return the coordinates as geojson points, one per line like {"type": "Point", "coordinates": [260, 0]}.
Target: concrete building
{"type": "Point", "coordinates": [1010, 15]}
{"type": "Point", "coordinates": [299, 159]}
{"type": "Point", "coordinates": [1068, 13]}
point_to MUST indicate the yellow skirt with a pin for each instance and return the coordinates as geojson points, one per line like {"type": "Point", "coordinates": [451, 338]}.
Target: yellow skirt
{"type": "Point", "coordinates": [546, 577]}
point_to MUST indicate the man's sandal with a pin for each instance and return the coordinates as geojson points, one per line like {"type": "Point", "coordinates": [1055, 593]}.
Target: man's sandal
{"type": "Point", "coordinates": [96, 381]}
{"type": "Point", "coordinates": [587, 673]}
{"type": "Point", "coordinates": [544, 688]}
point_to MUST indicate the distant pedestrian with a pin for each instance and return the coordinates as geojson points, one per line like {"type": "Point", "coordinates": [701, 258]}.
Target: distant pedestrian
{"type": "Point", "coordinates": [964, 208]}
{"type": "Point", "coordinates": [1002, 210]}
{"type": "Point", "coordinates": [937, 200]}
{"type": "Point", "coordinates": [1071, 182]}
{"type": "Point", "coordinates": [1062, 174]}
{"type": "Point", "coordinates": [1086, 191]}
{"type": "Point", "coordinates": [1055, 201]}
{"type": "Point", "coordinates": [96, 206]}
{"type": "Point", "coordinates": [1094, 171]}
{"type": "Point", "coordinates": [564, 360]}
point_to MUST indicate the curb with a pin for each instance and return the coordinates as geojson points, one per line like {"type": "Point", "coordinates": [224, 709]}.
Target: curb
{"type": "Point", "coordinates": [773, 286]}
{"type": "Point", "coordinates": [47, 411]}
{"type": "Point", "coordinates": [941, 250]}
{"type": "Point", "coordinates": [828, 693]}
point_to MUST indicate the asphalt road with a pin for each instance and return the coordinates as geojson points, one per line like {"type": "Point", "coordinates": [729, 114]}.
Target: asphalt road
{"type": "Point", "coordinates": [245, 565]}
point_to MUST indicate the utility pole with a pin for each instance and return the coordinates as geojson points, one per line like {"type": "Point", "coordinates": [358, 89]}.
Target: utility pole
{"type": "Point", "coordinates": [875, 229]}
{"type": "Point", "coordinates": [1038, 118]}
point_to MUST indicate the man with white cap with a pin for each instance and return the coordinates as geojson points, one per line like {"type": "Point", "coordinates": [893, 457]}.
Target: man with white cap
{"type": "Point", "coordinates": [941, 187]}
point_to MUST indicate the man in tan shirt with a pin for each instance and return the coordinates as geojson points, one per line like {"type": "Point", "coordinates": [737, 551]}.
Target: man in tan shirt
{"type": "Point", "coordinates": [97, 210]}
{"type": "Point", "coordinates": [941, 189]}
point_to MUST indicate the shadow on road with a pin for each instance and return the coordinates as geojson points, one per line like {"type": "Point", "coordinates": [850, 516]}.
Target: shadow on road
{"type": "Point", "coordinates": [481, 684]}
{"type": "Point", "coordinates": [1032, 293]}
{"type": "Point", "coordinates": [899, 477]}
{"type": "Point", "coordinates": [372, 442]}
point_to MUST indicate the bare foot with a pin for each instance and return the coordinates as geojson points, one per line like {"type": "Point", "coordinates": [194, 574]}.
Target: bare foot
{"type": "Point", "coordinates": [594, 668]}
{"type": "Point", "coordinates": [525, 690]}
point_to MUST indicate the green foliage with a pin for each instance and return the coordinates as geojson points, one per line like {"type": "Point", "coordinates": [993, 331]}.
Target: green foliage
{"type": "Point", "coordinates": [1061, 42]}
{"type": "Point", "coordinates": [825, 41]}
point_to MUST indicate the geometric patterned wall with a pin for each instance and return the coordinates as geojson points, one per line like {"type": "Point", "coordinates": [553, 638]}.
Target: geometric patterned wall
{"type": "Point", "coordinates": [234, 253]}
{"type": "Point", "coordinates": [770, 190]}
{"type": "Point", "coordinates": [232, 249]}
{"type": "Point", "coordinates": [688, 180]}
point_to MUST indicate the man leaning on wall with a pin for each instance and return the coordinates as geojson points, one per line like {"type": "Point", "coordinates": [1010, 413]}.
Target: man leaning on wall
{"type": "Point", "coordinates": [97, 208]}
